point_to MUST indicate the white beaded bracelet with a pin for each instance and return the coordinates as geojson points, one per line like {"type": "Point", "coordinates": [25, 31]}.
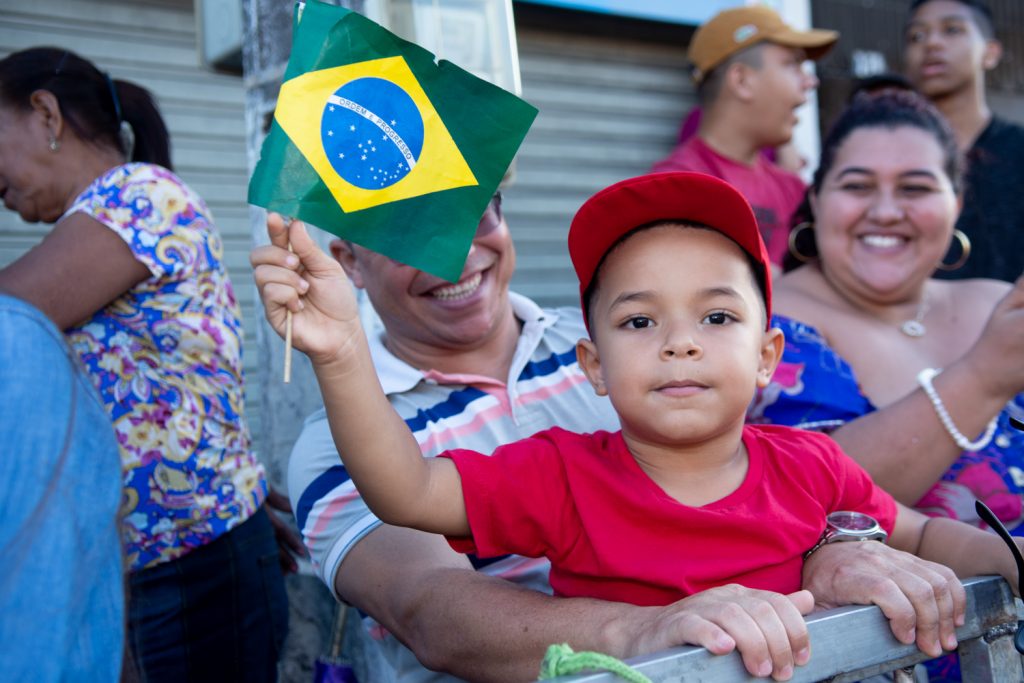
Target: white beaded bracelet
{"type": "Point", "coordinates": [924, 378]}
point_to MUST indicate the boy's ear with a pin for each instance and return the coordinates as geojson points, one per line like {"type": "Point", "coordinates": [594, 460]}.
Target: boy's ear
{"type": "Point", "coordinates": [993, 54]}
{"type": "Point", "coordinates": [590, 364]}
{"type": "Point", "coordinates": [773, 342]}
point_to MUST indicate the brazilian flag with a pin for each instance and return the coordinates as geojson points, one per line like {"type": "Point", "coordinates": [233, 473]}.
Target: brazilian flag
{"type": "Point", "coordinates": [374, 141]}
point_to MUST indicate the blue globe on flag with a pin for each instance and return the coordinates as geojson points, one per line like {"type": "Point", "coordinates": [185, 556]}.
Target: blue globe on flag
{"type": "Point", "coordinates": [372, 133]}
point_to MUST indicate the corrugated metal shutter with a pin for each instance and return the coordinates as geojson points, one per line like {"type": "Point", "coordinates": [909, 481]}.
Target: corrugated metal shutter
{"type": "Point", "coordinates": [609, 108]}
{"type": "Point", "coordinates": [154, 45]}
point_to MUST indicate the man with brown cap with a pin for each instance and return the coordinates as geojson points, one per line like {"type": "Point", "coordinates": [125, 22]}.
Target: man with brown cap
{"type": "Point", "coordinates": [748, 66]}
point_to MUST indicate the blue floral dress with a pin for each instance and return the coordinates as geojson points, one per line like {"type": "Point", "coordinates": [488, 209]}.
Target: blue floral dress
{"type": "Point", "coordinates": [814, 388]}
{"type": "Point", "coordinates": [166, 358]}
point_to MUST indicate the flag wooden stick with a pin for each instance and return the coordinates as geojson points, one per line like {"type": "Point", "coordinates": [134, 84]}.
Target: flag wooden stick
{"type": "Point", "coordinates": [288, 338]}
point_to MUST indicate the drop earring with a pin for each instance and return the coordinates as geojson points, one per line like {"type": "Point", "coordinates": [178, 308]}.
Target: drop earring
{"type": "Point", "coordinates": [54, 143]}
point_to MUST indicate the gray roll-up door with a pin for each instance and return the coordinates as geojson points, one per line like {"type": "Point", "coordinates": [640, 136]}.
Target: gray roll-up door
{"type": "Point", "coordinates": [609, 108]}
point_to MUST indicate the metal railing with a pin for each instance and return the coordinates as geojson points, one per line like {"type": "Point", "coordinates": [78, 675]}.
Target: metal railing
{"type": "Point", "coordinates": [854, 643]}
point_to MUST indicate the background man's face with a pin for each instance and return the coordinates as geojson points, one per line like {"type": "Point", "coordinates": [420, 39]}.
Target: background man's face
{"type": "Point", "coordinates": [945, 50]}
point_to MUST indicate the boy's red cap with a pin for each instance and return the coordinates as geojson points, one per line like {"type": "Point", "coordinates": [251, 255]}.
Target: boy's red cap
{"type": "Point", "coordinates": [676, 196]}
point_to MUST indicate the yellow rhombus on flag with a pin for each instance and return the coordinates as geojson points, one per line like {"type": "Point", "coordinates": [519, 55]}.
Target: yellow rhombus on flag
{"type": "Point", "coordinates": [302, 124]}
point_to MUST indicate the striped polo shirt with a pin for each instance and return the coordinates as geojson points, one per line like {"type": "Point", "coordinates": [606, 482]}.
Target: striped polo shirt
{"type": "Point", "coordinates": [545, 388]}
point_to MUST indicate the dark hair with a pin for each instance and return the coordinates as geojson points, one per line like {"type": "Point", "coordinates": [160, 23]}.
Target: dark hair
{"type": "Point", "coordinates": [93, 104]}
{"type": "Point", "coordinates": [887, 109]}
{"type": "Point", "coordinates": [800, 238]}
{"type": "Point", "coordinates": [876, 83]}
{"type": "Point", "coordinates": [979, 10]}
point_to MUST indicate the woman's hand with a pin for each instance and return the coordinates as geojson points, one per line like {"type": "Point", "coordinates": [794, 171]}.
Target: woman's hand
{"type": "Point", "coordinates": [310, 284]}
{"type": "Point", "coordinates": [997, 357]}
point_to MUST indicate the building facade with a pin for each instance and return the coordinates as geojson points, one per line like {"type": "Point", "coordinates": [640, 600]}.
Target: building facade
{"type": "Point", "coordinates": [611, 88]}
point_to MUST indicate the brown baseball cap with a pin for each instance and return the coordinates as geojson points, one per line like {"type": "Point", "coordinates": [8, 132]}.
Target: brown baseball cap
{"type": "Point", "coordinates": [732, 30]}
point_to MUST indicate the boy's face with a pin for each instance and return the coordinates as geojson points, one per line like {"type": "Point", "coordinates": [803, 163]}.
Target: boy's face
{"type": "Point", "coordinates": [778, 88]}
{"type": "Point", "coordinates": [679, 336]}
{"type": "Point", "coordinates": [944, 50]}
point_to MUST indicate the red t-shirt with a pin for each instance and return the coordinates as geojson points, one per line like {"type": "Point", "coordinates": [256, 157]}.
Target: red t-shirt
{"type": "Point", "coordinates": [774, 193]}
{"type": "Point", "coordinates": [610, 532]}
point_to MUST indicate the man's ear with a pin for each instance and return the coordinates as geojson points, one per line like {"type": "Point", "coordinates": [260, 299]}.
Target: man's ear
{"type": "Point", "coordinates": [344, 252]}
{"type": "Point", "coordinates": [739, 80]}
{"type": "Point", "coordinates": [590, 364]}
{"type": "Point", "coordinates": [773, 342]}
{"type": "Point", "coordinates": [993, 54]}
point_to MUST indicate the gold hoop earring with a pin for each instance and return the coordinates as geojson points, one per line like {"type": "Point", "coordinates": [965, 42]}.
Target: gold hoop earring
{"type": "Point", "coordinates": [797, 229]}
{"type": "Point", "coordinates": [54, 143]}
{"type": "Point", "coordinates": [965, 251]}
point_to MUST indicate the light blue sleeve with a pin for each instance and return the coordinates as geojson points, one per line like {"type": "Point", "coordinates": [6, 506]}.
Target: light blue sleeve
{"type": "Point", "coordinates": [61, 577]}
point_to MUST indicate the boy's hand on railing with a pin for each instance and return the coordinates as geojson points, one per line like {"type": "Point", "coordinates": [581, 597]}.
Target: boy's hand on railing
{"type": "Point", "coordinates": [924, 601]}
{"type": "Point", "coordinates": [766, 628]}
{"type": "Point", "coordinates": [311, 285]}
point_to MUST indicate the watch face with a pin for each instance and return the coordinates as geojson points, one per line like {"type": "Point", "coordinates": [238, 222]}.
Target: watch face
{"type": "Point", "coordinates": [852, 521]}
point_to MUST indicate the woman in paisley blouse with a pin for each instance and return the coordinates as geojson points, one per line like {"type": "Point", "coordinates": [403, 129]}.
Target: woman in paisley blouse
{"type": "Point", "coordinates": [133, 271]}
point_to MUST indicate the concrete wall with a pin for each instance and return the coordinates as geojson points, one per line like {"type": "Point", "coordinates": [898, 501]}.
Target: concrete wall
{"type": "Point", "coordinates": [267, 45]}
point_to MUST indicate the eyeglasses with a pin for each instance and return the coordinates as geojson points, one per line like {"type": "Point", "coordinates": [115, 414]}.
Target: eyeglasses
{"type": "Point", "coordinates": [491, 220]}
{"type": "Point", "coordinates": [989, 518]}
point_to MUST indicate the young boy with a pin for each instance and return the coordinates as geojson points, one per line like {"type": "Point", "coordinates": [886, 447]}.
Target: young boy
{"type": "Point", "coordinates": [675, 285]}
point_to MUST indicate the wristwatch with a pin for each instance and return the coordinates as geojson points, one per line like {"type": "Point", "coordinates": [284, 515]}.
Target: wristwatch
{"type": "Point", "coordinates": [849, 526]}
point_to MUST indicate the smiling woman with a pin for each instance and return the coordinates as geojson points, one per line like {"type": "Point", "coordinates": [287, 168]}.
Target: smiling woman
{"type": "Point", "coordinates": [867, 327]}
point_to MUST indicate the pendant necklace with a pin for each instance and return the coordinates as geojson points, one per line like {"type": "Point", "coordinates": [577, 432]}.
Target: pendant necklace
{"type": "Point", "coordinates": [915, 326]}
